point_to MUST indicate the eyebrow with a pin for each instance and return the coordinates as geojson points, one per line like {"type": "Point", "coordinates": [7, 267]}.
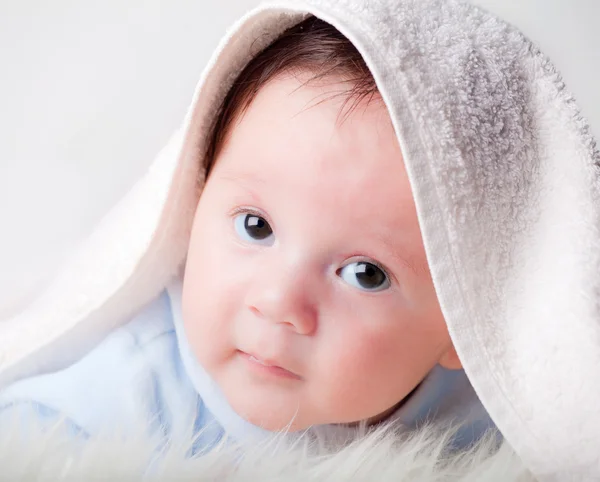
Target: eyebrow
{"type": "Point", "coordinates": [243, 177]}
{"type": "Point", "coordinates": [418, 268]}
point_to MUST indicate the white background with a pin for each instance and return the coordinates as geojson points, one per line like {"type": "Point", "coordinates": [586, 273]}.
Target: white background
{"type": "Point", "coordinates": [90, 91]}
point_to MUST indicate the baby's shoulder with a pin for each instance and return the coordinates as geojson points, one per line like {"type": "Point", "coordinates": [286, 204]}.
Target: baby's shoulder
{"type": "Point", "coordinates": [110, 381]}
{"type": "Point", "coordinates": [131, 348]}
{"type": "Point", "coordinates": [150, 323]}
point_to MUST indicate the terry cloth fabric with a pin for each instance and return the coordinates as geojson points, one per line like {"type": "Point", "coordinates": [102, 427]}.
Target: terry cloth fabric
{"type": "Point", "coordinates": [505, 176]}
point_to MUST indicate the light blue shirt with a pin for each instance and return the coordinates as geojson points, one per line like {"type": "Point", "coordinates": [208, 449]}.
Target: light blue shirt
{"type": "Point", "coordinates": [144, 373]}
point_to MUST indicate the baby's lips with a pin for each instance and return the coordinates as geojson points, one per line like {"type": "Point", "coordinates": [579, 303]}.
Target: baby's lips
{"type": "Point", "coordinates": [270, 362]}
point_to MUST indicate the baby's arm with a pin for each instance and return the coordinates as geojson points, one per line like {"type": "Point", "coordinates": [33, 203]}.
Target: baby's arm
{"type": "Point", "coordinates": [112, 388]}
{"type": "Point", "coordinates": [96, 393]}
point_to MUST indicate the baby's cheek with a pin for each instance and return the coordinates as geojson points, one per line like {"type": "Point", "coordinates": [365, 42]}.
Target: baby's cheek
{"type": "Point", "coordinates": [360, 356]}
{"type": "Point", "coordinates": [369, 353]}
{"type": "Point", "coordinates": [205, 307]}
{"type": "Point", "coordinates": [364, 376]}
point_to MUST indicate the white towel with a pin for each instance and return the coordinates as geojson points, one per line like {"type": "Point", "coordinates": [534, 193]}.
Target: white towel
{"type": "Point", "coordinates": [505, 177]}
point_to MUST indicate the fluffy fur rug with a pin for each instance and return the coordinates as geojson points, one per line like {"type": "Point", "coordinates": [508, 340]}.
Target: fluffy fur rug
{"type": "Point", "coordinates": [379, 456]}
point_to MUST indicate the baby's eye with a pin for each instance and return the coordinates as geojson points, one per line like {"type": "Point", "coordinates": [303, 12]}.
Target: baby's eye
{"type": "Point", "coordinates": [365, 276]}
{"type": "Point", "coordinates": [253, 228]}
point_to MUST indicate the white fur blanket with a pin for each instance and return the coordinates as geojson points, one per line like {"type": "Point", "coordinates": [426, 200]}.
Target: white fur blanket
{"type": "Point", "coordinates": [378, 456]}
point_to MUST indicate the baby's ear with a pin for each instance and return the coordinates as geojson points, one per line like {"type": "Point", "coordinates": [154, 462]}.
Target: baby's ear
{"type": "Point", "coordinates": [450, 359]}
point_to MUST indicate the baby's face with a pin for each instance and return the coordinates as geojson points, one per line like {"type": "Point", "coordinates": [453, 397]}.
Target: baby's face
{"type": "Point", "coordinates": [307, 295]}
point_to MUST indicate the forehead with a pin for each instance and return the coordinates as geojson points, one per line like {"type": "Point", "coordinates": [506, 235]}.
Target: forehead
{"type": "Point", "coordinates": [294, 140]}
{"type": "Point", "coordinates": [291, 126]}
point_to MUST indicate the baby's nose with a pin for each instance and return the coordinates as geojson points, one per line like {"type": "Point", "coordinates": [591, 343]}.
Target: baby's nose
{"type": "Point", "coordinates": [285, 297]}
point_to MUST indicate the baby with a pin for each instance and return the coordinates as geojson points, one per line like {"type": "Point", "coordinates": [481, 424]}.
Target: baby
{"type": "Point", "coordinates": [307, 295]}
{"type": "Point", "coordinates": [306, 300]}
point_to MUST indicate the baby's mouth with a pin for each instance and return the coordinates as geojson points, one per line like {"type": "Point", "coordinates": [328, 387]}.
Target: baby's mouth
{"type": "Point", "coordinates": [267, 366]}
{"type": "Point", "coordinates": [253, 358]}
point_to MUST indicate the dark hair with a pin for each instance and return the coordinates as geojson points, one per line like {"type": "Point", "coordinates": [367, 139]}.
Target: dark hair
{"type": "Point", "coordinates": [312, 45]}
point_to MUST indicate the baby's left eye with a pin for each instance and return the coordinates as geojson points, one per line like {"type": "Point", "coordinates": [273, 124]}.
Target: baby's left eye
{"type": "Point", "coordinates": [365, 276]}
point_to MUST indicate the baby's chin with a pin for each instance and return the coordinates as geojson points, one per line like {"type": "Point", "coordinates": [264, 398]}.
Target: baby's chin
{"type": "Point", "coordinates": [283, 423]}
{"type": "Point", "coordinates": [285, 406]}
{"type": "Point", "coordinates": [276, 423]}
{"type": "Point", "coordinates": [269, 415]}
{"type": "Point", "coordinates": [278, 417]}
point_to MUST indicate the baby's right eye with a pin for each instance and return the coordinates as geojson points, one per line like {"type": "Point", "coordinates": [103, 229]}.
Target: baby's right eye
{"type": "Point", "coordinates": [254, 229]}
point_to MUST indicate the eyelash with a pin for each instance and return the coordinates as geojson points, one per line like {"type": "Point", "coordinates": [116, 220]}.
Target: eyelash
{"type": "Point", "coordinates": [255, 212]}
{"type": "Point", "coordinates": [362, 259]}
